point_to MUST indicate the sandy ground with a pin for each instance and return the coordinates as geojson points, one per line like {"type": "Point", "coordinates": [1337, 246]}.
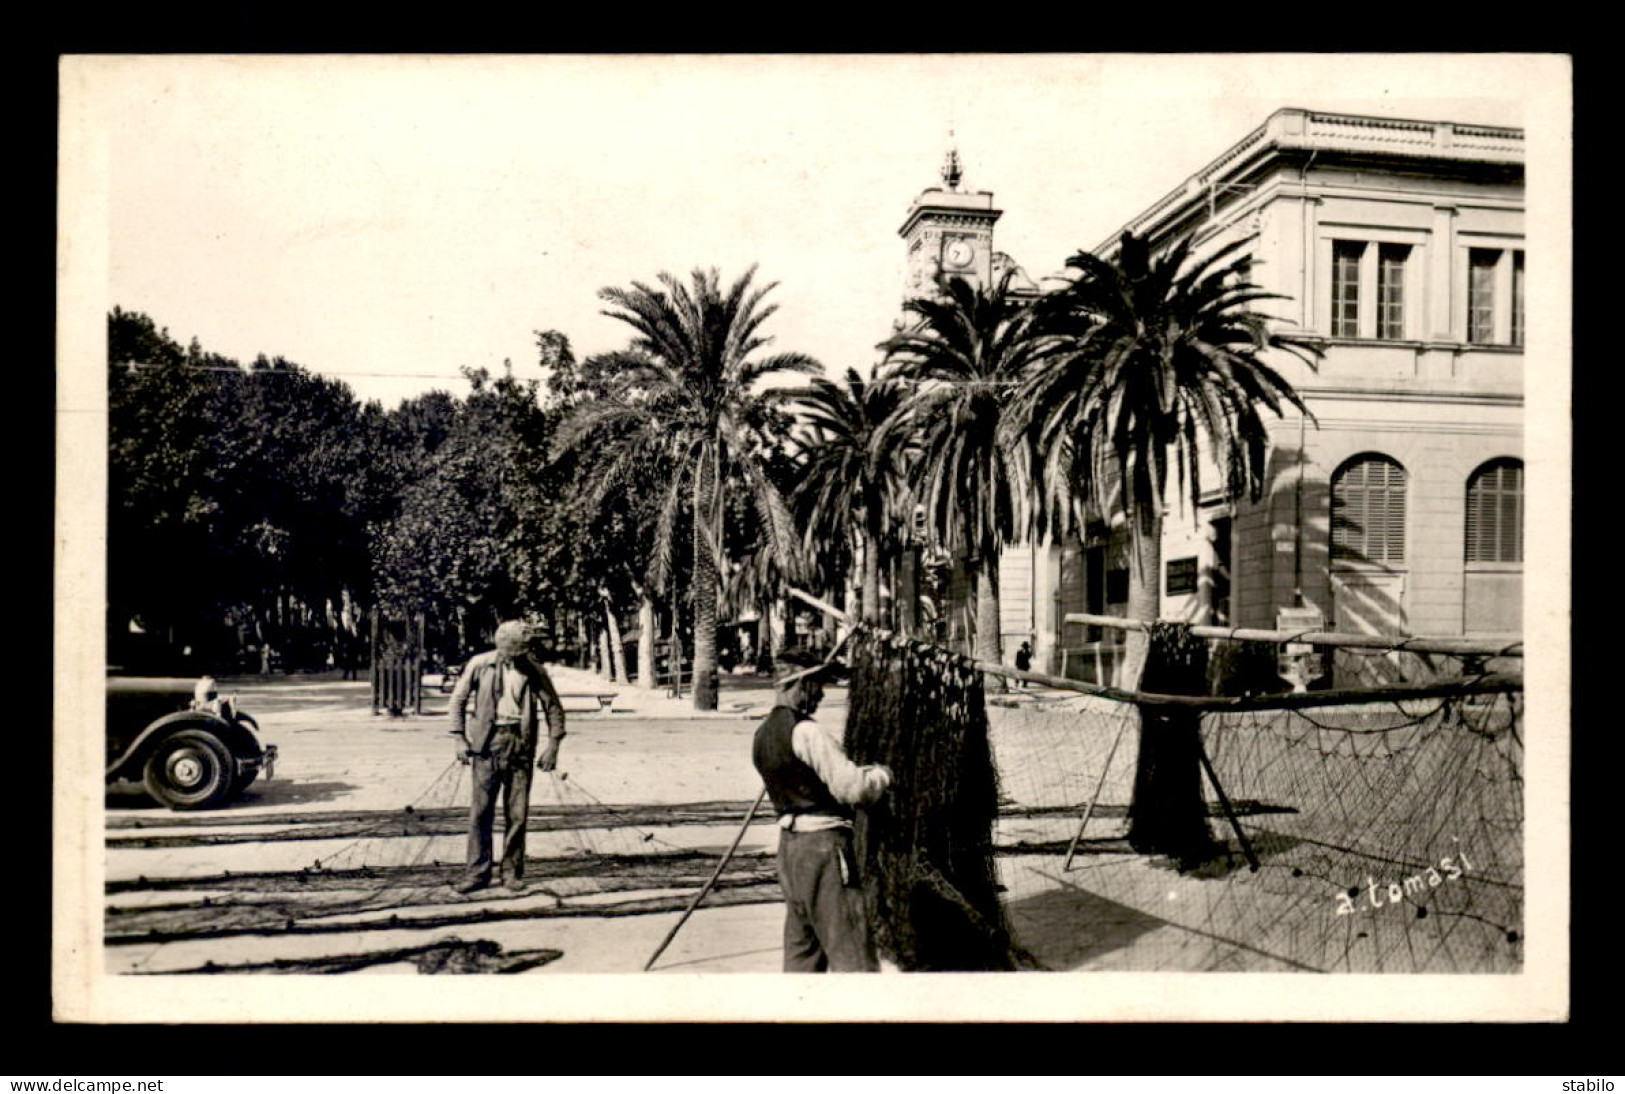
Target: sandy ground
{"type": "Point", "coordinates": [337, 756]}
{"type": "Point", "coordinates": [663, 790]}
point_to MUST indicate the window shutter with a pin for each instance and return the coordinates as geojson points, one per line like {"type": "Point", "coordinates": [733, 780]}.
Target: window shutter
{"type": "Point", "coordinates": [1510, 548]}
{"type": "Point", "coordinates": [1494, 525]}
{"type": "Point", "coordinates": [1368, 511]}
{"type": "Point", "coordinates": [1473, 535]}
{"type": "Point", "coordinates": [1396, 513]}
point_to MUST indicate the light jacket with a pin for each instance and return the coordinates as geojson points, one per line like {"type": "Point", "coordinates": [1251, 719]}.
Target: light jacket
{"type": "Point", "coordinates": [478, 681]}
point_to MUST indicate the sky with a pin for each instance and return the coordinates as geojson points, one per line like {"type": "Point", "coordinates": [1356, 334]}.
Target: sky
{"type": "Point", "coordinates": [387, 221]}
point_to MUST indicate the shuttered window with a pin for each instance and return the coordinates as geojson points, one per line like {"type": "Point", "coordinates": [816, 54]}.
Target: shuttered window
{"type": "Point", "coordinates": [1494, 530]}
{"type": "Point", "coordinates": [1391, 259]}
{"type": "Point", "coordinates": [1481, 295]}
{"type": "Point", "coordinates": [1346, 288]}
{"type": "Point", "coordinates": [1368, 511]}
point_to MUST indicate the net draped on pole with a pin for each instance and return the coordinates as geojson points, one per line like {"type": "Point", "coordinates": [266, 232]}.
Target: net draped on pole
{"type": "Point", "coordinates": [926, 848]}
{"type": "Point", "coordinates": [1168, 814]}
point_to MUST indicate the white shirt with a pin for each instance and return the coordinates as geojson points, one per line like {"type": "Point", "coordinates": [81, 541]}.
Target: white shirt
{"type": "Point", "coordinates": [511, 700]}
{"type": "Point", "coordinates": [818, 748]}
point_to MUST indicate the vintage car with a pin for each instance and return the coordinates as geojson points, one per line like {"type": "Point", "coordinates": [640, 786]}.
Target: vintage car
{"type": "Point", "coordinates": [189, 747]}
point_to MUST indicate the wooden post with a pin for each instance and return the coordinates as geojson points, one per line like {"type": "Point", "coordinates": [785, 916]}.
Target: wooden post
{"type": "Point", "coordinates": [374, 668]}
{"type": "Point", "coordinates": [417, 667]}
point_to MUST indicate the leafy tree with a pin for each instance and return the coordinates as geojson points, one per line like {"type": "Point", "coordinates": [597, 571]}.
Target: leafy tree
{"type": "Point", "coordinates": [285, 468]}
{"type": "Point", "coordinates": [463, 546]}
{"type": "Point", "coordinates": [684, 394]}
{"type": "Point", "coordinates": [1160, 357]}
{"type": "Point", "coordinates": [235, 505]}
{"type": "Point", "coordinates": [966, 352]}
{"type": "Point", "coordinates": [159, 431]}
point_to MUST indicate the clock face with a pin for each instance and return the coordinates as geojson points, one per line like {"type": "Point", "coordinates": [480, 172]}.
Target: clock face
{"type": "Point", "coordinates": [959, 253]}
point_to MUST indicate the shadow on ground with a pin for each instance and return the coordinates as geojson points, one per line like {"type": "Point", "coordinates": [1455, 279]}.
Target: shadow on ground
{"type": "Point", "coordinates": [124, 795]}
{"type": "Point", "coordinates": [289, 792]}
{"type": "Point", "coordinates": [1065, 928]}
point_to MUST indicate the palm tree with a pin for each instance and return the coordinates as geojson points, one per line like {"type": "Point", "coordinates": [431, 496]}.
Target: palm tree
{"type": "Point", "coordinates": [851, 481]}
{"type": "Point", "coordinates": [685, 391]}
{"type": "Point", "coordinates": [965, 355]}
{"type": "Point", "coordinates": [1162, 356]}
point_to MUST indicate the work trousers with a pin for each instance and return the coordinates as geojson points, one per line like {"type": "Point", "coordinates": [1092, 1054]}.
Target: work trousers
{"type": "Point", "coordinates": [503, 767]}
{"type": "Point", "coordinates": [825, 929]}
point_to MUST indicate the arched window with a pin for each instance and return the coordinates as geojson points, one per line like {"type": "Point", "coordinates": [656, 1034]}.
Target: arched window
{"type": "Point", "coordinates": [1368, 510]}
{"type": "Point", "coordinates": [1494, 530]}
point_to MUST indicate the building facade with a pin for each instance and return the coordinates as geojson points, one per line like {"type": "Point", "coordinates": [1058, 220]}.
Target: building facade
{"type": "Point", "coordinates": [1398, 247]}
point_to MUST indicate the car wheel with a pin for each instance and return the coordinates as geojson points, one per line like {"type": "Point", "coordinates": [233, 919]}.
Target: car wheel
{"type": "Point", "coordinates": [190, 769]}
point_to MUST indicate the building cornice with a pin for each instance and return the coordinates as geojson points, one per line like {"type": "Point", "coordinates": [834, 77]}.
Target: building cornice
{"type": "Point", "coordinates": [1401, 395]}
{"type": "Point", "coordinates": [1306, 134]}
{"type": "Point", "coordinates": [1429, 428]}
{"type": "Point", "coordinates": [966, 208]}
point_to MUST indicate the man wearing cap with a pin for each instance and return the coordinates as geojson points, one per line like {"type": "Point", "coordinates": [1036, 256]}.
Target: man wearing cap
{"type": "Point", "coordinates": [814, 787]}
{"type": "Point", "coordinates": [512, 694]}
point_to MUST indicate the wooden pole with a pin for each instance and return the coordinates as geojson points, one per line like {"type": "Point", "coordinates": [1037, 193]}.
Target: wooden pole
{"type": "Point", "coordinates": [1224, 802]}
{"type": "Point", "coordinates": [1487, 684]}
{"type": "Point", "coordinates": [376, 681]}
{"type": "Point", "coordinates": [417, 665]}
{"type": "Point", "coordinates": [750, 814]}
{"type": "Point", "coordinates": [1462, 647]}
{"type": "Point", "coordinates": [1477, 685]}
{"type": "Point", "coordinates": [822, 605]}
{"type": "Point", "coordinates": [1099, 786]}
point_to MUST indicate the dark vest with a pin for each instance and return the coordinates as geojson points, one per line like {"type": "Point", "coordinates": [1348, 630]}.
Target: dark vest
{"type": "Point", "coordinates": [791, 782]}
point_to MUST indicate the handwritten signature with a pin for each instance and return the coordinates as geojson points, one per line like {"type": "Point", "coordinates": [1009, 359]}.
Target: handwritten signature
{"type": "Point", "coordinates": [1448, 869]}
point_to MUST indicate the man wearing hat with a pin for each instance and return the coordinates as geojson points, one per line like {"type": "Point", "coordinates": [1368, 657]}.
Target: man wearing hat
{"type": "Point", "coordinates": [512, 694]}
{"type": "Point", "coordinates": [814, 787]}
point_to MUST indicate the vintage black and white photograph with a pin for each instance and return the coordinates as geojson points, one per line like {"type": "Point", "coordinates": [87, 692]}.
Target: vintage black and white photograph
{"type": "Point", "coordinates": [1068, 535]}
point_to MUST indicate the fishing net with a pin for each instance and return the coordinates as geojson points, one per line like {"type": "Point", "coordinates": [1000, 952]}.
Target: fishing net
{"type": "Point", "coordinates": [926, 848]}
{"type": "Point", "coordinates": [332, 892]}
{"type": "Point", "coordinates": [1388, 836]}
{"type": "Point", "coordinates": [1167, 814]}
{"type": "Point", "coordinates": [1387, 833]}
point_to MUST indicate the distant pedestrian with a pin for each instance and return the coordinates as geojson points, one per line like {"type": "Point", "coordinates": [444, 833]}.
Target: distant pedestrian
{"type": "Point", "coordinates": [512, 695]}
{"type": "Point", "coordinates": [1024, 659]}
{"type": "Point", "coordinates": [349, 654]}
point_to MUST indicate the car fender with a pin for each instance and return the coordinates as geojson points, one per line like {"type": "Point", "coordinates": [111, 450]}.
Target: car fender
{"type": "Point", "coordinates": [237, 738]}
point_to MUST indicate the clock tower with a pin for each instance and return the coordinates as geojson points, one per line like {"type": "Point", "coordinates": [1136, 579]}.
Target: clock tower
{"type": "Point", "coordinates": [949, 231]}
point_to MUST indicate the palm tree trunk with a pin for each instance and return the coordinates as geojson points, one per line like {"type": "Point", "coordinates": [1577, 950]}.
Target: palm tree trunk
{"type": "Point", "coordinates": [906, 591]}
{"type": "Point", "coordinates": [646, 643]}
{"type": "Point", "coordinates": [705, 595]}
{"type": "Point", "coordinates": [772, 633]}
{"type": "Point", "coordinates": [1144, 589]}
{"type": "Point", "coordinates": [987, 619]}
{"type": "Point", "coordinates": [871, 581]}
{"type": "Point", "coordinates": [675, 652]}
{"type": "Point", "coordinates": [617, 652]}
